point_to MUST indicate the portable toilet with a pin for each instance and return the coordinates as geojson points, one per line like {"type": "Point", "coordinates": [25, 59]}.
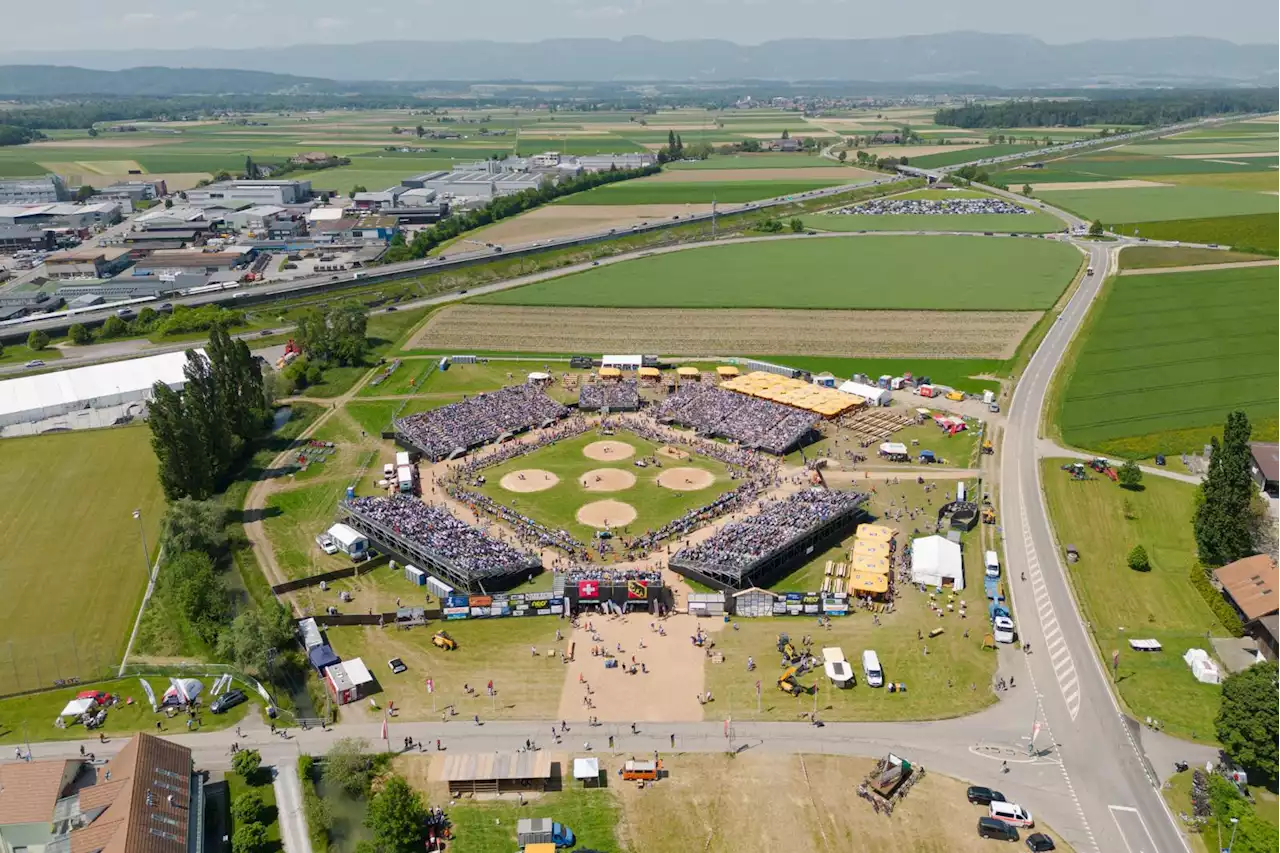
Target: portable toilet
{"type": "Point", "coordinates": [351, 493]}
{"type": "Point", "coordinates": [415, 576]}
{"type": "Point", "coordinates": [960, 491]}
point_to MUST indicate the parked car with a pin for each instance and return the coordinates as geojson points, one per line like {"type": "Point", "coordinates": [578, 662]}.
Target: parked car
{"type": "Point", "coordinates": [397, 666]}
{"type": "Point", "coordinates": [989, 827]}
{"type": "Point", "coordinates": [1002, 629]}
{"type": "Point", "coordinates": [35, 362]}
{"type": "Point", "coordinates": [326, 543]}
{"type": "Point", "coordinates": [1038, 842]}
{"type": "Point", "coordinates": [227, 701]}
{"type": "Point", "coordinates": [983, 796]}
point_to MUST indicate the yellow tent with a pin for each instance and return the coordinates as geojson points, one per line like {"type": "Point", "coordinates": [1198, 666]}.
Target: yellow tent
{"type": "Point", "coordinates": [726, 371]}
{"type": "Point", "coordinates": [871, 548]}
{"type": "Point", "coordinates": [864, 582]}
{"type": "Point", "coordinates": [874, 532]}
{"type": "Point", "coordinates": [871, 565]}
{"type": "Point", "coordinates": [650, 373]}
{"type": "Point", "coordinates": [687, 371]}
{"type": "Point", "coordinates": [610, 373]}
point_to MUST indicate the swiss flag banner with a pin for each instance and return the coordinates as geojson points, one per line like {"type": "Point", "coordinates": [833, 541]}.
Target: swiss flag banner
{"type": "Point", "coordinates": [588, 589]}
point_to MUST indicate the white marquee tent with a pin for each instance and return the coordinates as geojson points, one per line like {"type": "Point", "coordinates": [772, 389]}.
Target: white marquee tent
{"type": "Point", "coordinates": [48, 395]}
{"type": "Point", "coordinates": [935, 560]}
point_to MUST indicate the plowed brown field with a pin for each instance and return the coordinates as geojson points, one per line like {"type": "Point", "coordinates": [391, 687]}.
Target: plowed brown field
{"type": "Point", "coordinates": [679, 332]}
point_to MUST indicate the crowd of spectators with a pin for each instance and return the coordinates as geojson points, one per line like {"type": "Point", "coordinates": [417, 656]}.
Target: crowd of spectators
{"type": "Point", "coordinates": [435, 530]}
{"type": "Point", "coordinates": [477, 420]}
{"type": "Point", "coordinates": [735, 547]}
{"type": "Point", "coordinates": [616, 396]}
{"type": "Point", "coordinates": [527, 530]}
{"type": "Point", "coordinates": [591, 573]}
{"type": "Point", "coordinates": [712, 411]}
{"type": "Point", "coordinates": [932, 207]}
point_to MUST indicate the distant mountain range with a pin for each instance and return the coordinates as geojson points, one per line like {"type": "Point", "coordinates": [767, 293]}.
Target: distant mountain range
{"type": "Point", "coordinates": [1009, 61]}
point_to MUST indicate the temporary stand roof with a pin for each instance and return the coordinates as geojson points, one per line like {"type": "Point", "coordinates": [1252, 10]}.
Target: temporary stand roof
{"type": "Point", "coordinates": [76, 707]}
{"type": "Point", "coordinates": [727, 370]}
{"type": "Point", "coordinates": [936, 560]}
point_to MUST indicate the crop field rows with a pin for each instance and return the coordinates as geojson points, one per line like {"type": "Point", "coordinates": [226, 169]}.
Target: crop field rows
{"type": "Point", "coordinates": [680, 332]}
{"type": "Point", "coordinates": [1174, 351]}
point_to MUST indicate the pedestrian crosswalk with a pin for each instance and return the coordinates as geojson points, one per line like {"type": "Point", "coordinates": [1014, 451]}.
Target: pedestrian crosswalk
{"type": "Point", "coordinates": [1055, 644]}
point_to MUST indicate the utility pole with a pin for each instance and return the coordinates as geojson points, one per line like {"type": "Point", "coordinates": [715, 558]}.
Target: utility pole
{"type": "Point", "coordinates": [137, 514]}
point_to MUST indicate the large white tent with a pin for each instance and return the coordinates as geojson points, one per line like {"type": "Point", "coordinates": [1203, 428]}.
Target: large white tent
{"type": "Point", "coordinates": [935, 561]}
{"type": "Point", "coordinates": [48, 395]}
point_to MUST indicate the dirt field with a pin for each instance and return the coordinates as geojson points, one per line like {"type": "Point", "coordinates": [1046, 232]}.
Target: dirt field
{"type": "Point", "coordinates": [708, 176]}
{"type": "Point", "coordinates": [564, 220]}
{"type": "Point", "coordinates": [801, 804]}
{"type": "Point", "coordinates": [676, 332]}
{"type": "Point", "coordinates": [608, 480]}
{"type": "Point", "coordinates": [685, 479]}
{"type": "Point", "coordinates": [608, 451]}
{"type": "Point", "coordinates": [1199, 268]}
{"type": "Point", "coordinates": [604, 514]}
{"type": "Point", "coordinates": [667, 691]}
{"type": "Point", "coordinates": [100, 143]}
{"type": "Point", "coordinates": [1098, 185]}
{"type": "Point", "coordinates": [529, 480]}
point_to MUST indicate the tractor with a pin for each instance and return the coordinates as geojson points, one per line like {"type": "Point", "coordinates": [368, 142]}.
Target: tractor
{"type": "Point", "coordinates": [442, 640]}
{"type": "Point", "coordinates": [1076, 469]}
{"type": "Point", "coordinates": [1102, 466]}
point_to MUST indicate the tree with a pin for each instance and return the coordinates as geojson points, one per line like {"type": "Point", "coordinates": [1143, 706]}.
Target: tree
{"type": "Point", "coordinates": [842, 156]}
{"type": "Point", "coordinates": [1026, 189]}
{"type": "Point", "coordinates": [420, 130]}
{"type": "Point", "coordinates": [93, 131]}
{"type": "Point", "coordinates": [1246, 723]}
{"type": "Point", "coordinates": [249, 808]}
{"type": "Point", "coordinates": [37, 340]}
{"type": "Point", "coordinates": [1138, 560]}
{"type": "Point", "coordinates": [796, 224]}
{"type": "Point", "coordinates": [1223, 522]}
{"type": "Point", "coordinates": [168, 203]}
{"type": "Point", "coordinates": [335, 336]}
{"type": "Point", "coordinates": [192, 586]}
{"type": "Point", "coordinates": [79, 334]}
{"type": "Point", "coordinates": [397, 818]}
{"type": "Point", "coordinates": [348, 766]}
{"type": "Point", "coordinates": [114, 327]}
{"type": "Point", "coordinates": [245, 642]}
{"type": "Point", "coordinates": [85, 192]}
{"type": "Point", "coordinates": [184, 467]}
{"type": "Point", "coordinates": [249, 838]}
{"type": "Point", "coordinates": [250, 171]}
{"type": "Point", "coordinates": [358, 188]}
{"type": "Point", "coordinates": [395, 128]}
{"type": "Point", "coordinates": [1095, 228]}
{"type": "Point", "coordinates": [192, 525]}
{"type": "Point", "coordinates": [239, 384]}
{"type": "Point", "coordinates": [246, 763]}
{"type": "Point", "coordinates": [1130, 475]}
{"type": "Point", "coordinates": [786, 134]}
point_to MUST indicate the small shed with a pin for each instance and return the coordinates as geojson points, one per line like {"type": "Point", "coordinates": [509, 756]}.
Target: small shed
{"type": "Point", "coordinates": [587, 771]}
{"type": "Point", "coordinates": [497, 773]}
{"type": "Point", "coordinates": [311, 636]}
{"type": "Point", "coordinates": [539, 378]}
{"type": "Point", "coordinates": [349, 681]}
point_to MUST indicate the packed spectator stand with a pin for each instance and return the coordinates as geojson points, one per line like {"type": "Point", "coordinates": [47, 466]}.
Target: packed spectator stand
{"type": "Point", "coordinates": [614, 396]}
{"type": "Point", "coordinates": [712, 411]}
{"type": "Point", "coordinates": [431, 535]}
{"type": "Point", "coordinates": [458, 427]}
{"type": "Point", "coordinates": [744, 550]}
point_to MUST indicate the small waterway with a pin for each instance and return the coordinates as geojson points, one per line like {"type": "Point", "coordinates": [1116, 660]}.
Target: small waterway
{"type": "Point", "coordinates": [280, 417]}
{"type": "Point", "coordinates": [347, 828]}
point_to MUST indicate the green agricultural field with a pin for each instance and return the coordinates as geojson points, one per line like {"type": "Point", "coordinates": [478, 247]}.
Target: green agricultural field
{"type": "Point", "coordinates": [92, 481]}
{"type": "Point", "coordinates": [557, 507]}
{"type": "Point", "coordinates": [1003, 223]}
{"type": "Point", "coordinates": [1155, 257]}
{"type": "Point", "coordinates": [907, 272]}
{"type": "Point", "coordinates": [1256, 232]}
{"type": "Point", "coordinates": [952, 372]}
{"type": "Point", "coordinates": [1160, 203]}
{"type": "Point", "coordinates": [1121, 604]}
{"type": "Point", "coordinates": [963, 154]}
{"type": "Point", "coordinates": [1224, 145]}
{"type": "Point", "coordinates": [697, 192]}
{"type": "Point", "coordinates": [1169, 352]}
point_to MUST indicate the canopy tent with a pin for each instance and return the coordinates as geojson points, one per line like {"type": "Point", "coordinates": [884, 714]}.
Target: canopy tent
{"type": "Point", "coordinates": [874, 532]}
{"type": "Point", "coordinates": [827, 402]}
{"type": "Point", "coordinates": [893, 448]}
{"type": "Point", "coordinates": [871, 548]}
{"type": "Point", "coordinates": [624, 362]}
{"type": "Point", "coordinates": [867, 582]}
{"type": "Point", "coordinates": [871, 565]}
{"type": "Point", "coordinates": [1202, 666]}
{"type": "Point", "coordinates": [182, 691]}
{"type": "Point", "coordinates": [650, 373]}
{"type": "Point", "coordinates": [76, 707]}
{"type": "Point", "coordinates": [688, 372]}
{"type": "Point", "coordinates": [935, 561]}
{"type": "Point", "coordinates": [610, 373]}
{"type": "Point", "coordinates": [539, 376]}
{"type": "Point", "coordinates": [727, 371]}
{"type": "Point", "coordinates": [869, 393]}
{"type": "Point", "coordinates": [586, 770]}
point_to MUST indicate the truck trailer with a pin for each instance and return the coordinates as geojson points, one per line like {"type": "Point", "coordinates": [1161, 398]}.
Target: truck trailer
{"type": "Point", "coordinates": [542, 830]}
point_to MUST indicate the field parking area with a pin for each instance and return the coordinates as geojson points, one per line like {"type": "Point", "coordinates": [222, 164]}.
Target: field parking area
{"type": "Point", "coordinates": [1121, 604]}
{"type": "Point", "coordinates": [701, 332]}
{"type": "Point", "coordinates": [1151, 359]}
{"type": "Point", "coordinates": [69, 601]}
{"type": "Point", "coordinates": [945, 273]}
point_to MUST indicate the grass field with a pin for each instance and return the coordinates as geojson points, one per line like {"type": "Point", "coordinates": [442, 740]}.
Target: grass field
{"type": "Point", "coordinates": [1157, 257]}
{"type": "Point", "coordinates": [954, 372]}
{"type": "Point", "coordinates": [1153, 359]}
{"type": "Point", "coordinates": [766, 160]}
{"type": "Point", "coordinates": [1160, 203]}
{"type": "Point", "coordinates": [963, 154]}
{"type": "Point", "coordinates": [1122, 604]}
{"type": "Point", "coordinates": [1257, 232]}
{"type": "Point", "coordinates": [89, 481]}
{"type": "Point", "coordinates": [1034, 223]}
{"type": "Point", "coordinates": [936, 272]}
{"type": "Point", "coordinates": [260, 784]}
{"type": "Point", "coordinates": [697, 192]}
{"type": "Point", "coordinates": [557, 507]}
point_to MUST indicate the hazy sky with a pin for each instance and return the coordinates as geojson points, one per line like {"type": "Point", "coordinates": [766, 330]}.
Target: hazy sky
{"type": "Point", "coordinates": [137, 24]}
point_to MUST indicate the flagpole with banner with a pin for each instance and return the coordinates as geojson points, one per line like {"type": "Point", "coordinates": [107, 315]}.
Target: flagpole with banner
{"type": "Point", "coordinates": [757, 696]}
{"type": "Point", "coordinates": [431, 688]}
{"type": "Point", "coordinates": [386, 734]}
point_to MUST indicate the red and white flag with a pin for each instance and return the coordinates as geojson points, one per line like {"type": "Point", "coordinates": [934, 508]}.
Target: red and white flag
{"type": "Point", "coordinates": [384, 726]}
{"type": "Point", "coordinates": [431, 685]}
{"type": "Point", "coordinates": [757, 689]}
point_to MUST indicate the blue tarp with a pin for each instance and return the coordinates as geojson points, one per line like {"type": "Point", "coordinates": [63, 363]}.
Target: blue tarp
{"type": "Point", "coordinates": [322, 657]}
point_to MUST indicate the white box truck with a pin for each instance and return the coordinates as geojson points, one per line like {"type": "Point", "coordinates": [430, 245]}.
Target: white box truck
{"type": "Point", "coordinates": [349, 541]}
{"type": "Point", "coordinates": [404, 477]}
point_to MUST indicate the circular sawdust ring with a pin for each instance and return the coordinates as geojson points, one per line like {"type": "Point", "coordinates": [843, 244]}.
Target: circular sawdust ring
{"type": "Point", "coordinates": [685, 479]}
{"type": "Point", "coordinates": [528, 480]}
{"type": "Point", "coordinates": [608, 451]}
{"type": "Point", "coordinates": [607, 480]}
{"type": "Point", "coordinates": [603, 514]}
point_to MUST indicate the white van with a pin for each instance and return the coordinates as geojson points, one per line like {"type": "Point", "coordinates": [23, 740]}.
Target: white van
{"type": "Point", "coordinates": [1011, 813]}
{"type": "Point", "coordinates": [871, 669]}
{"type": "Point", "coordinates": [993, 564]}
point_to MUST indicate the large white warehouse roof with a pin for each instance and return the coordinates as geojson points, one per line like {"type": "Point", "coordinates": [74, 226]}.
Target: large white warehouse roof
{"type": "Point", "coordinates": [31, 397]}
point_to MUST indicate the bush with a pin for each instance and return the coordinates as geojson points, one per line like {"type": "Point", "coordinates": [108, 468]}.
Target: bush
{"type": "Point", "coordinates": [114, 327]}
{"type": "Point", "coordinates": [1246, 723]}
{"type": "Point", "coordinates": [249, 808]}
{"type": "Point", "coordinates": [247, 763]}
{"type": "Point", "coordinates": [1138, 560]}
{"type": "Point", "coordinates": [37, 340]}
{"type": "Point", "coordinates": [349, 767]}
{"type": "Point", "coordinates": [79, 334]}
{"type": "Point", "coordinates": [1225, 612]}
{"type": "Point", "coordinates": [1130, 475]}
{"type": "Point", "coordinates": [249, 838]}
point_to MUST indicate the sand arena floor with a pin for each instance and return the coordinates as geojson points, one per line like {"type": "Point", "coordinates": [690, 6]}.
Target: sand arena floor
{"type": "Point", "coordinates": [529, 480]}
{"type": "Point", "coordinates": [608, 513]}
{"type": "Point", "coordinates": [685, 479]}
{"type": "Point", "coordinates": [607, 480]}
{"type": "Point", "coordinates": [608, 451]}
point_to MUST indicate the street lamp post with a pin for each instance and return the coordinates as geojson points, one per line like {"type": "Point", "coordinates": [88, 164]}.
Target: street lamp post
{"type": "Point", "coordinates": [1235, 824]}
{"type": "Point", "coordinates": [137, 514]}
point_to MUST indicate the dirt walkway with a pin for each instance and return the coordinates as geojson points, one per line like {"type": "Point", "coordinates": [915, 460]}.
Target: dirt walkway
{"type": "Point", "coordinates": [1200, 268]}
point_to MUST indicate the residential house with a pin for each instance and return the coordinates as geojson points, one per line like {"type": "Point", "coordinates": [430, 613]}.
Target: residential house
{"type": "Point", "coordinates": [1250, 586]}
{"type": "Point", "coordinates": [1265, 466]}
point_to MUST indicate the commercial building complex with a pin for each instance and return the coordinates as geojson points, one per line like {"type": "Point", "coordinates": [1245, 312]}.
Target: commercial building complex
{"type": "Point", "coordinates": [254, 192]}
{"type": "Point", "coordinates": [44, 190]}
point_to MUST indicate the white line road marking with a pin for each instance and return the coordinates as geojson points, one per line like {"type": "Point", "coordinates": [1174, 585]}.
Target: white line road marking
{"type": "Point", "coordinates": [1146, 844]}
{"type": "Point", "coordinates": [1064, 668]}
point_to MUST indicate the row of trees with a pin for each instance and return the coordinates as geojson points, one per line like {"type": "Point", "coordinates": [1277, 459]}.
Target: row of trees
{"type": "Point", "coordinates": [334, 336]}
{"type": "Point", "coordinates": [1146, 110]}
{"type": "Point", "coordinates": [15, 135]}
{"type": "Point", "coordinates": [183, 320]}
{"type": "Point", "coordinates": [200, 433]}
{"type": "Point", "coordinates": [503, 207]}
